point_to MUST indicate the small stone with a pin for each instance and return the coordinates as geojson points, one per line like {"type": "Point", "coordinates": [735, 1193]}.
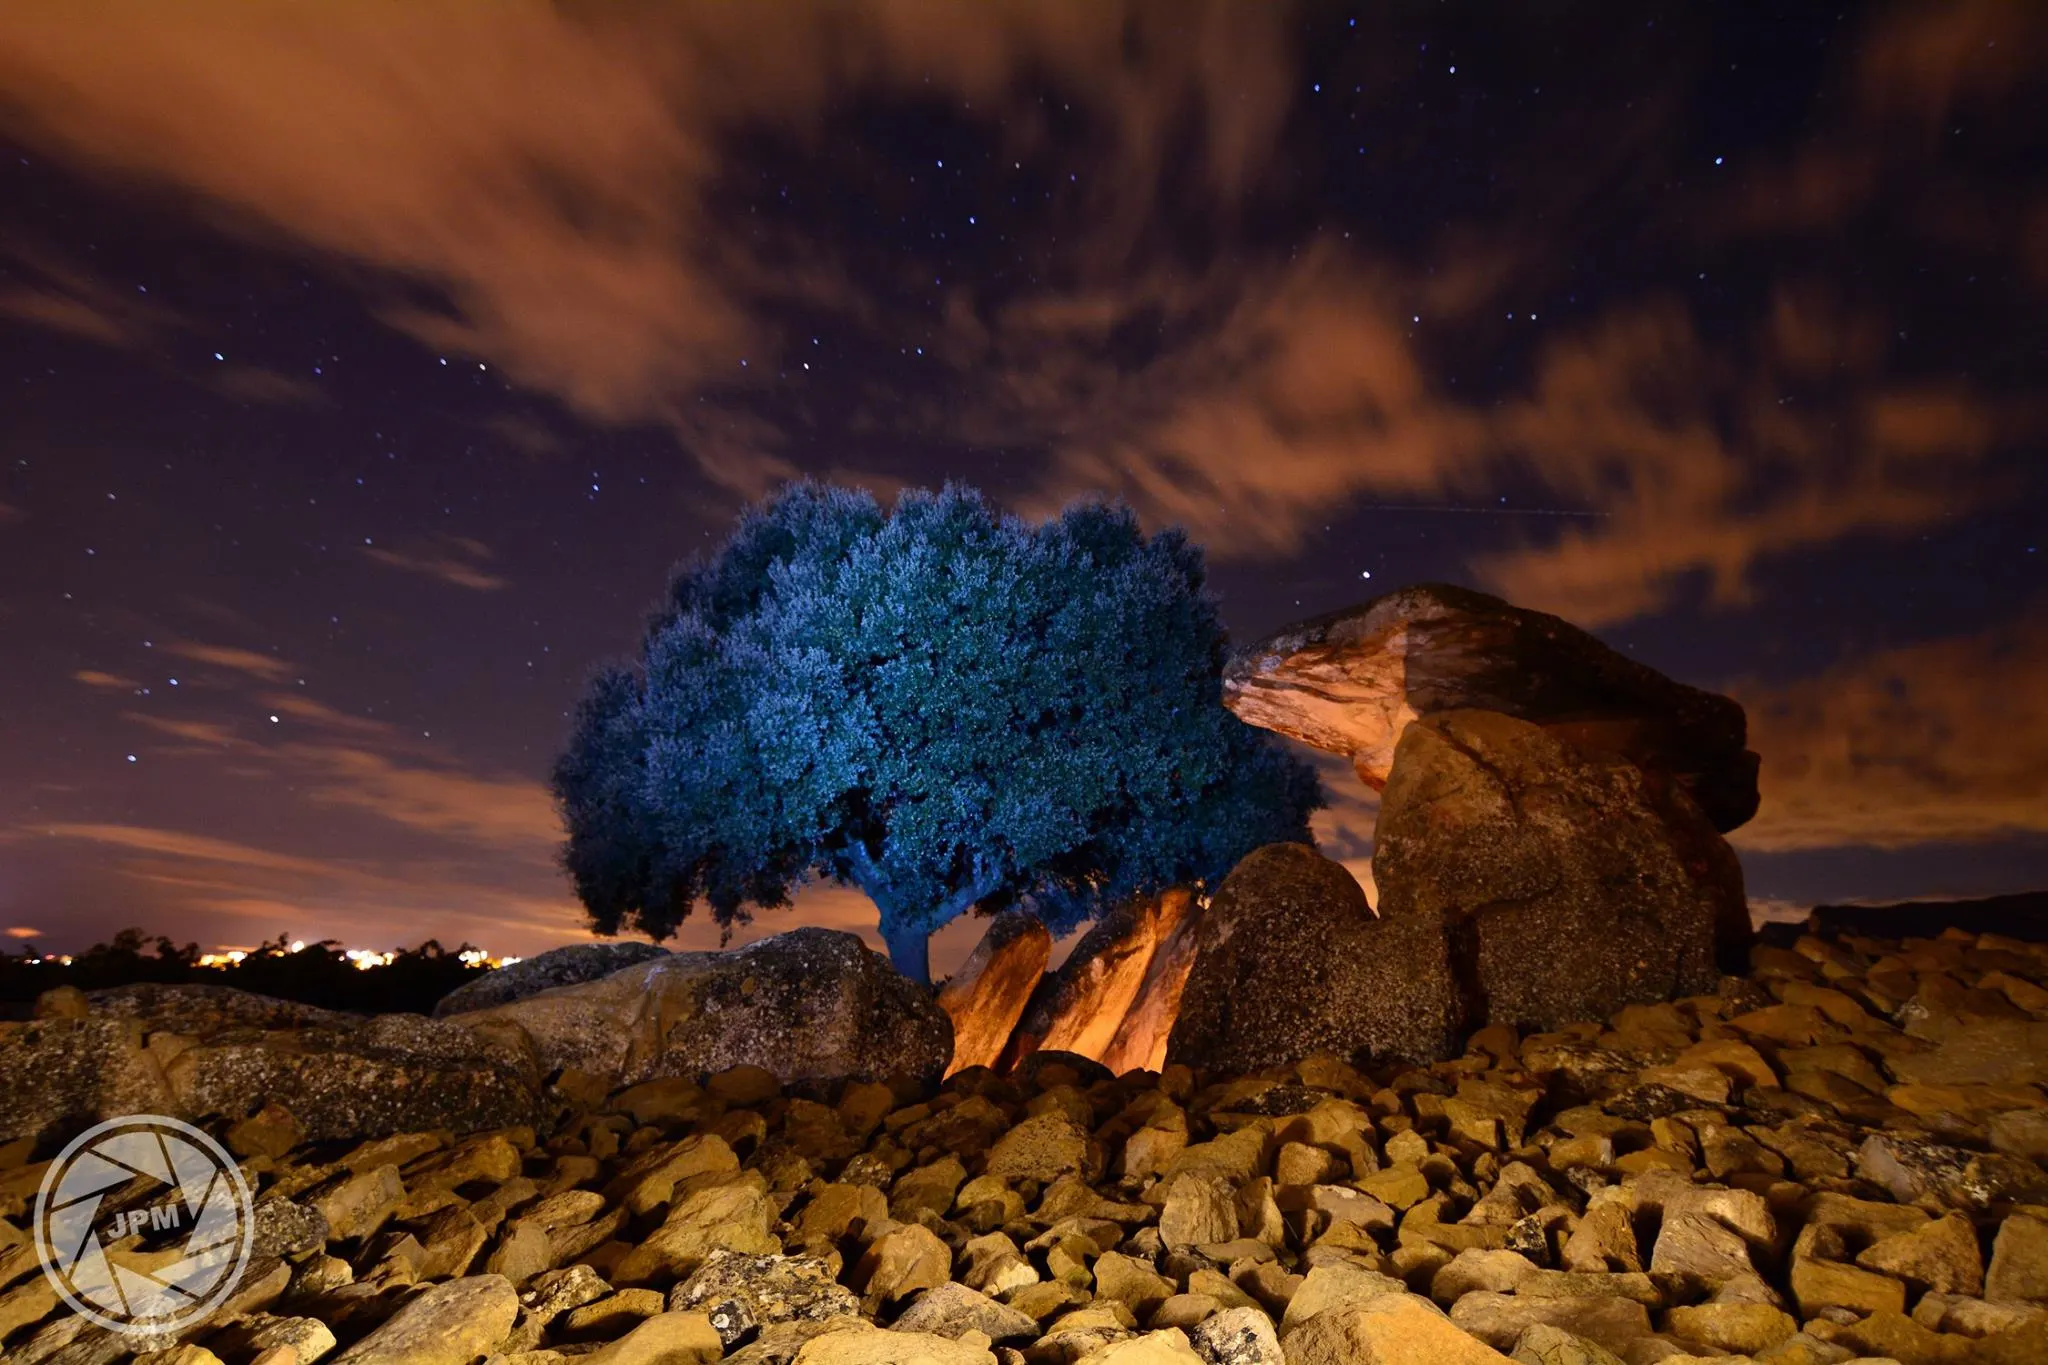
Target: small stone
{"type": "Point", "coordinates": [449, 1324]}
{"type": "Point", "coordinates": [1500, 1319]}
{"type": "Point", "coordinates": [523, 1251]}
{"type": "Point", "coordinates": [1604, 1240]}
{"type": "Point", "coordinates": [1237, 1336]}
{"type": "Point", "coordinates": [1328, 1286]}
{"type": "Point", "coordinates": [1042, 1149]}
{"type": "Point", "coordinates": [271, 1131]}
{"type": "Point", "coordinates": [1974, 1317]}
{"type": "Point", "coordinates": [1820, 1283]}
{"type": "Point", "coordinates": [651, 1180]}
{"type": "Point", "coordinates": [1185, 1311]}
{"type": "Point", "coordinates": [740, 1292]}
{"type": "Point", "coordinates": [2019, 1262]}
{"type": "Point", "coordinates": [1297, 1163]}
{"type": "Point", "coordinates": [1543, 1344]}
{"type": "Point", "coordinates": [1914, 1171]}
{"type": "Point", "coordinates": [1475, 1269]}
{"type": "Point", "coordinates": [1700, 1251]}
{"type": "Point", "coordinates": [186, 1354]}
{"type": "Point", "coordinates": [868, 1345]}
{"type": "Point", "coordinates": [1941, 1255]}
{"type": "Point", "coordinates": [664, 1339]}
{"type": "Point", "coordinates": [359, 1205]}
{"type": "Point", "coordinates": [1733, 1328]}
{"type": "Point", "coordinates": [953, 1310]}
{"type": "Point", "coordinates": [308, 1339]}
{"type": "Point", "coordinates": [1132, 1283]}
{"type": "Point", "coordinates": [1388, 1329]}
{"type": "Point", "coordinates": [1198, 1210]}
{"type": "Point", "coordinates": [1399, 1187]}
{"type": "Point", "coordinates": [1169, 1347]}
{"type": "Point", "coordinates": [839, 1210]}
{"type": "Point", "coordinates": [900, 1263]}
{"type": "Point", "coordinates": [735, 1216]}
{"type": "Point", "coordinates": [614, 1315]}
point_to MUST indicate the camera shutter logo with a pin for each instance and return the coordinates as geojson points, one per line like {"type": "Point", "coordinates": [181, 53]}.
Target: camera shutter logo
{"type": "Point", "coordinates": [191, 1208]}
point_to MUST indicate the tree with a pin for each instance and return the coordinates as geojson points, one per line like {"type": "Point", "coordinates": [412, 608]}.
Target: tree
{"type": "Point", "coordinates": [939, 705]}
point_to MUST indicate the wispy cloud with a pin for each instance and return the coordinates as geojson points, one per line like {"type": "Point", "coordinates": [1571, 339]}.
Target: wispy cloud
{"type": "Point", "coordinates": [510, 813]}
{"type": "Point", "coordinates": [254, 384]}
{"type": "Point", "coordinates": [63, 313]}
{"type": "Point", "coordinates": [455, 560]}
{"type": "Point", "coordinates": [103, 681]}
{"type": "Point", "coordinates": [66, 299]}
{"type": "Point", "coordinates": [193, 731]}
{"type": "Point", "coordinates": [268, 667]}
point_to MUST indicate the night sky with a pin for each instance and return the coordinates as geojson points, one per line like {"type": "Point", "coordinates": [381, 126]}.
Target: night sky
{"type": "Point", "coordinates": [364, 368]}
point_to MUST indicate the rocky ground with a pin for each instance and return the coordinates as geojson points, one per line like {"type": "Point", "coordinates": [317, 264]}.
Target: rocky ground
{"type": "Point", "coordinates": [1837, 1157]}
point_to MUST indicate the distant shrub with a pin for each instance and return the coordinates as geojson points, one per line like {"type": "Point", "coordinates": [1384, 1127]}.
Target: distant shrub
{"type": "Point", "coordinates": [317, 974]}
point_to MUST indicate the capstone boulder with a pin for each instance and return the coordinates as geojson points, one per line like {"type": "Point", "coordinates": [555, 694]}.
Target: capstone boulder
{"type": "Point", "coordinates": [1352, 681]}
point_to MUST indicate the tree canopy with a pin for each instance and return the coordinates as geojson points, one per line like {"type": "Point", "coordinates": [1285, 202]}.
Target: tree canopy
{"type": "Point", "coordinates": [937, 704]}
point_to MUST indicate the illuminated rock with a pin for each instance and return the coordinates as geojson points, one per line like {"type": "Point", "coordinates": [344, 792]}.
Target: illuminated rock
{"type": "Point", "coordinates": [1079, 1008]}
{"type": "Point", "coordinates": [1140, 1041]}
{"type": "Point", "coordinates": [986, 997]}
{"type": "Point", "coordinates": [1353, 680]}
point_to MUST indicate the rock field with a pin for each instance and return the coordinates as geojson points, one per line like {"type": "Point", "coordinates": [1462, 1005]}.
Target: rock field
{"type": "Point", "coordinates": [1836, 1157]}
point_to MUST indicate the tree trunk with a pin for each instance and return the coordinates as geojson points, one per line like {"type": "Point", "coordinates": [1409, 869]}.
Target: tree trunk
{"type": "Point", "coordinates": [910, 952]}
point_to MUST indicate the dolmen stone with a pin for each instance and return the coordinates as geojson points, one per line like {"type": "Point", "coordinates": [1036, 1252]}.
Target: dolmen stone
{"type": "Point", "coordinates": [1080, 1007]}
{"type": "Point", "coordinates": [1567, 882]}
{"type": "Point", "coordinates": [986, 997]}
{"type": "Point", "coordinates": [1352, 681]}
{"type": "Point", "coordinates": [1291, 961]}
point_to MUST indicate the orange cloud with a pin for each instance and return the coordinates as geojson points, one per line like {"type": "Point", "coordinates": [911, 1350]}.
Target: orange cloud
{"type": "Point", "coordinates": [105, 682]}
{"type": "Point", "coordinates": [266, 666]}
{"type": "Point", "coordinates": [64, 314]}
{"type": "Point", "coordinates": [1940, 741]}
{"type": "Point", "coordinates": [455, 560]}
{"type": "Point", "coordinates": [546, 170]}
{"type": "Point", "coordinates": [196, 731]}
{"type": "Point", "coordinates": [503, 812]}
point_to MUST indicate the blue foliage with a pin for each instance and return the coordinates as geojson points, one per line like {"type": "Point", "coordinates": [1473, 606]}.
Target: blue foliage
{"type": "Point", "coordinates": [937, 704]}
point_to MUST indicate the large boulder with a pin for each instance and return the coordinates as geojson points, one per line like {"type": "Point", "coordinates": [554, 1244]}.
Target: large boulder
{"type": "Point", "coordinates": [1571, 882]}
{"type": "Point", "coordinates": [567, 966]}
{"type": "Point", "coordinates": [810, 1004]}
{"type": "Point", "coordinates": [986, 997]}
{"type": "Point", "coordinates": [58, 1076]}
{"type": "Point", "coordinates": [1290, 961]}
{"type": "Point", "coordinates": [394, 1073]}
{"type": "Point", "coordinates": [1352, 681]}
{"type": "Point", "coordinates": [213, 1052]}
{"type": "Point", "coordinates": [1079, 1008]}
